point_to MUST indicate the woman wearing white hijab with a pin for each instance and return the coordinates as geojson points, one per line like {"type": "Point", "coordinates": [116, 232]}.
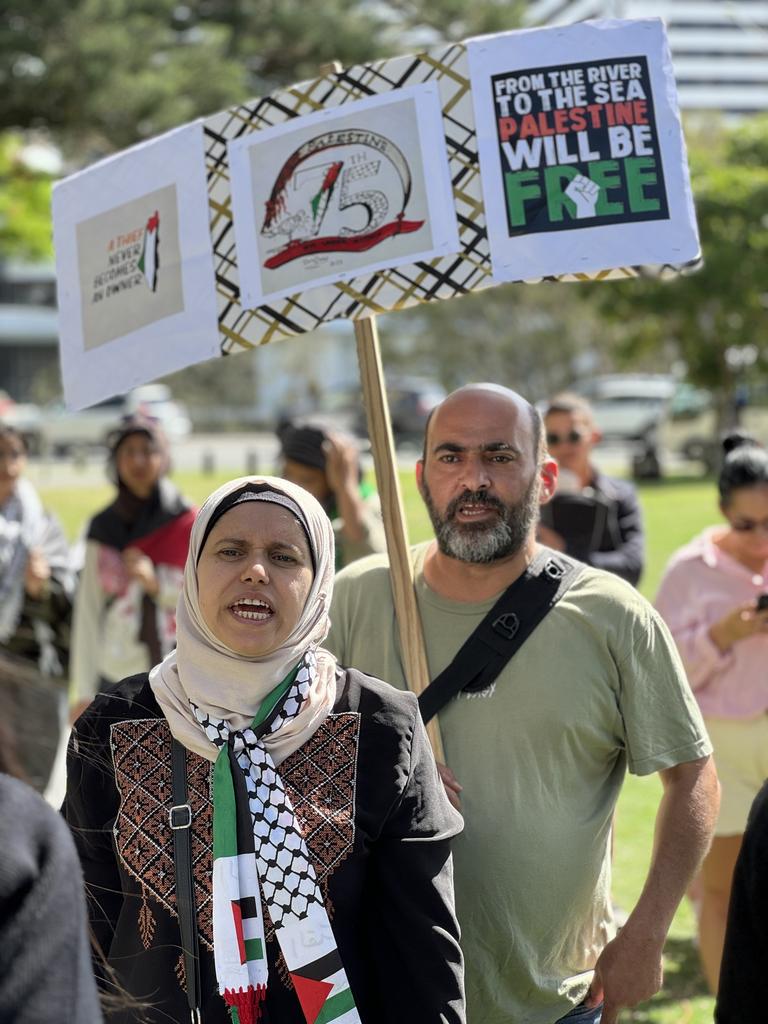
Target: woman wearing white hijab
{"type": "Point", "coordinates": [319, 829]}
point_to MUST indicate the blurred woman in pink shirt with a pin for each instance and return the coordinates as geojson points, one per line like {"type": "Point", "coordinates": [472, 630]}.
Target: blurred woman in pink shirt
{"type": "Point", "coordinates": [710, 597]}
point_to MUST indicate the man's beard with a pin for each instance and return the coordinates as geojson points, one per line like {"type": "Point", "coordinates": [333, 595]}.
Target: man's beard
{"type": "Point", "coordinates": [487, 541]}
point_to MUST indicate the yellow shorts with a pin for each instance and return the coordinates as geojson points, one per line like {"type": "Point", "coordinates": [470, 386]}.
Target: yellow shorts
{"type": "Point", "coordinates": [741, 756]}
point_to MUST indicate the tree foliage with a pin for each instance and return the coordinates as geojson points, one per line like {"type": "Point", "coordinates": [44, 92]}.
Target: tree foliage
{"type": "Point", "coordinates": [534, 338]}
{"type": "Point", "coordinates": [25, 204]}
{"type": "Point", "coordinates": [703, 317]}
{"type": "Point", "coordinates": [102, 74]}
{"type": "Point", "coordinates": [99, 75]}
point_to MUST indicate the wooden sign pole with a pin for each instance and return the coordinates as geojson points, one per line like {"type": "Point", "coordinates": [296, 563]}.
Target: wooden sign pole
{"type": "Point", "coordinates": [388, 482]}
{"type": "Point", "coordinates": [395, 529]}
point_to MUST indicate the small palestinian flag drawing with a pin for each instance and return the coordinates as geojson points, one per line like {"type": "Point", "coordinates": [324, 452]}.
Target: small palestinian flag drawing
{"type": "Point", "coordinates": [149, 260]}
{"type": "Point", "coordinates": [320, 201]}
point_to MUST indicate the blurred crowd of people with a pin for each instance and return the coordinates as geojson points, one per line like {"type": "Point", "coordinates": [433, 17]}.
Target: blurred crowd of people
{"type": "Point", "coordinates": [134, 623]}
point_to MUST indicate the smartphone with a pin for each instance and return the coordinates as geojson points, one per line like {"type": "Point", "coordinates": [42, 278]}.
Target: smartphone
{"type": "Point", "coordinates": [762, 602]}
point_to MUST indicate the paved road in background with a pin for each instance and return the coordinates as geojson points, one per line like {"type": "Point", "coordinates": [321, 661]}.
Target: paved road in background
{"type": "Point", "coordinates": [237, 454]}
{"type": "Point", "coordinates": [245, 453]}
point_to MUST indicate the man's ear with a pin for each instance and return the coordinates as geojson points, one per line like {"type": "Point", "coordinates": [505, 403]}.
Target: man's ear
{"type": "Point", "coordinates": [597, 436]}
{"type": "Point", "coordinates": [548, 477]}
{"type": "Point", "coordinates": [420, 476]}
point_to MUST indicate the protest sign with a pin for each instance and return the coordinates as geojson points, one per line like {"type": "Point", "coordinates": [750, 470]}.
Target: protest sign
{"type": "Point", "coordinates": [134, 266]}
{"type": "Point", "coordinates": [407, 284]}
{"type": "Point", "coordinates": [288, 219]}
{"type": "Point", "coordinates": [359, 192]}
{"type": "Point", "coordinates": [581, 151]}
{"type": "Point", "coordinates": [342, 192]}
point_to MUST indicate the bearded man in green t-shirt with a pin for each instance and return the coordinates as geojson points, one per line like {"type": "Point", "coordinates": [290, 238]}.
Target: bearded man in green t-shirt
{"type": "Point", "coordinates": [536, 760]}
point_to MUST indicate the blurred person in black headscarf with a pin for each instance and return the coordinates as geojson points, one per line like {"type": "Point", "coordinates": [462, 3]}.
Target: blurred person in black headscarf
{"type": "Point", "coordinates": [125, 608]}
{"type": "Point", "coordinates": [327, 464]}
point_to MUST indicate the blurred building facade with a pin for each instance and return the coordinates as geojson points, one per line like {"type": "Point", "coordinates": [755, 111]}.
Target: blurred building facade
{"type": "Point", "coordinates": [719, 47]}
{"type": "Point", "coordinates": [29, 337]}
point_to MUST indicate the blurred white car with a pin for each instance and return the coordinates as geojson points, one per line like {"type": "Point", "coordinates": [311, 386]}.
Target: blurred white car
{"type": "Point", "coordinates": [156, 400]}
{"type": "Point", "coordinates": [58, 430]}
{"type": "Point", "coordinates": [628, 407]}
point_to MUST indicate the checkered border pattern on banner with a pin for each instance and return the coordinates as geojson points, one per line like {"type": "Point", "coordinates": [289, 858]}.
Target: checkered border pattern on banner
{"type": "Point", "coordinates": [382, 291]}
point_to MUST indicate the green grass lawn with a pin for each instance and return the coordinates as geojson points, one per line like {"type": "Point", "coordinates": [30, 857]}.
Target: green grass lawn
{"type": "Point", "coordinates": [675, 509]}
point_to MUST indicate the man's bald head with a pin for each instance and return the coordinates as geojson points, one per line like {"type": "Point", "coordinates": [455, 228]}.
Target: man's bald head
{"type": "Point", "coordinates": [495, 394]}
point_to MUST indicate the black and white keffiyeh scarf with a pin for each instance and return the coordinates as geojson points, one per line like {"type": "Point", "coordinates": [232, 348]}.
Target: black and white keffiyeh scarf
{"type": "Point", "coordinates": [260, 854]}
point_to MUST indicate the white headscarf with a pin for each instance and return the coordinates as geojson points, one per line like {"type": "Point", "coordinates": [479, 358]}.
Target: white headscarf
{"type": "Point", "coordinates": [232, 686]}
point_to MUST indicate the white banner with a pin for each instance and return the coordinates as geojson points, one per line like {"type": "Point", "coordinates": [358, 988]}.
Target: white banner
{"type": "Point", "coordinates": [545, 153]}
{"type": "Point", "coordinates": [340, 193]}
{"type": "Point", "coordinates": [582, 158]}
{"type": "Point", "coordinates": [134, 265]}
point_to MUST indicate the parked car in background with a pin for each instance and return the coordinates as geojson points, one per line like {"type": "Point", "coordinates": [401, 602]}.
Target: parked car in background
{"type": "Point", "coordinates": [60, 431]}
{"type": "Point", "coordinates": [691, 428]}
{"type": "Point", "coordinates": [411, 399]}
{"type": "Point", "coordinates": [656, 415]}
{"type": "Point", "coordinates": [628, 407]}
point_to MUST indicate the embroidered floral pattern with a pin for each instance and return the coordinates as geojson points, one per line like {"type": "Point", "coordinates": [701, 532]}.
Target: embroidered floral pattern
{"type": "Point", "coordinates": [146, 921]}
{"type": "Point", "coordinates": [141, 752]}
{"type": "Point", "coordinates": [319, 778]}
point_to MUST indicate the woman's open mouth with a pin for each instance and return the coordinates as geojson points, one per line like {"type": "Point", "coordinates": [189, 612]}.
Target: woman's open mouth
{"type": "Point", "coordinates": [251, 609]}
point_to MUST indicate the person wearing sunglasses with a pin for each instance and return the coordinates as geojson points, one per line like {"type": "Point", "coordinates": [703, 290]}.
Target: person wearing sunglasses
{"type": "Point", "coordinates": [592, 517]}
{"type": "Point", "coordinates": [711, 597]}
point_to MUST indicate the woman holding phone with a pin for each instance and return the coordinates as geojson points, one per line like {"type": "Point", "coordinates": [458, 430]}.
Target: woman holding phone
{"type": "Point", "coordinates": [713, 598]}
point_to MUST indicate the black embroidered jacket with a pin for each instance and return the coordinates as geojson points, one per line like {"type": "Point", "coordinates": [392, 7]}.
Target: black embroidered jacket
{"type": "Point", "coordinates": [377, 825]}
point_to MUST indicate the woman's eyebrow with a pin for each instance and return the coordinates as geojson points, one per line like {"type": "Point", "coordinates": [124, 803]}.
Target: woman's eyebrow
{"type": "Point", "coordinates": [242, 542]}
{"type": "Point", "coordinates": [289, 544]}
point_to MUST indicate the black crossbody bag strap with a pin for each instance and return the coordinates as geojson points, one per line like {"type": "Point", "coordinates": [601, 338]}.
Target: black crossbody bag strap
{"type": "Point", "coordinates": [181, 821]}
{"type": "Point", "coordinates": [502, 632]}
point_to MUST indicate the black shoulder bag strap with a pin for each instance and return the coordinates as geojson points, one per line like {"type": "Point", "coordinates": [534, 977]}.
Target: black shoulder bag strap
{"type": "Point", "coordinates": [503, 631]}
{"type": "Point", "coordinates": [181, 821]}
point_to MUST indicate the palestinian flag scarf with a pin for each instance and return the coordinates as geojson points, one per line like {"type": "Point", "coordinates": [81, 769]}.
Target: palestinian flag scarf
{"type": "Point", "coordinates": [259, 852]}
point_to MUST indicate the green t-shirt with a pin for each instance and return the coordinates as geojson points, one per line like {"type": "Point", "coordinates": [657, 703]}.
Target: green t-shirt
{"type": "Point", "coordinates": [373, 539]}
{"type": "Point", "coordinates": [541, 755]}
